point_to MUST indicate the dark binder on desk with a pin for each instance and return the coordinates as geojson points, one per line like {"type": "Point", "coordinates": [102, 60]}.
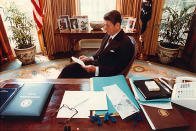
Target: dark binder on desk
{"type": "Point", "coordinates": [148, 95]}
{"type": "Point", "coordinates": [6, 94]}
{"type": "Point", "coordinates": [163, 119]}
{"type": "Point", "coordinates": [29, 101]}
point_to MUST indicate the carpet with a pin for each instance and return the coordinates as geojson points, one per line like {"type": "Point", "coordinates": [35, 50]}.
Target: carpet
{"type": "Point", "coordinates": [45, 70]}
{"type": "Point", "coordinates": [51, 69]}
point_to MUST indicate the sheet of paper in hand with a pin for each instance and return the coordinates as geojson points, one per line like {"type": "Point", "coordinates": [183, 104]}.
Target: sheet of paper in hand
{"type": "Point", "coordinates": [78, 61]}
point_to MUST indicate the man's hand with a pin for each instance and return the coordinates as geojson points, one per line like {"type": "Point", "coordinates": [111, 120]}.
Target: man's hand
{"type": "Point", "coordinates": [84, 58]}
{"type": "Point", "coordinates": [90, 68]}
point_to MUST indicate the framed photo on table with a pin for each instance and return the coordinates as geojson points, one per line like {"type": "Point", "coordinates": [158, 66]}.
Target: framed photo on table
{"type": "Point", "coordinates": [64, 23]}
{"type": "Point", "coordinates": [73, 23]}
{"type": "Point", "coordinates": [124, 23]}
{"type": "Point", "coordinates": [130, 24]}
{"type": "Point", "coordinates": [82, 22]}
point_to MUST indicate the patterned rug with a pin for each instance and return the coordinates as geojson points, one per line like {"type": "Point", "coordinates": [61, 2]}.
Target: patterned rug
{"type": "Point", "coordinates": [47, 69]}
{"type": "Point", "coordinates": [152, 69]}
{"type": "Point", "coordinates": [44, 70]}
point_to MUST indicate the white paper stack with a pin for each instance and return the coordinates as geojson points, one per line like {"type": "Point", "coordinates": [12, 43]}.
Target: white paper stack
{"type": "Point", "coordinates": [83, 102]}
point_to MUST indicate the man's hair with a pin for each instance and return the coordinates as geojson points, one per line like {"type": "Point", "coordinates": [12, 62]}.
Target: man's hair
{"type": "Point", "coordinates": [114, 16]}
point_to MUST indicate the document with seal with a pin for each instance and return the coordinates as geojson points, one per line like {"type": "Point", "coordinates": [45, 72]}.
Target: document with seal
{"type": "Point", "coordinates": [123, 105]}
{"type": "Point", "coordinates": [29, 100]}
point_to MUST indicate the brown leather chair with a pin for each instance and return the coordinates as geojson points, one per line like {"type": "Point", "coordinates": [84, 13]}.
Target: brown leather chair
{"type": "Point", "coordinates": [126, 70]}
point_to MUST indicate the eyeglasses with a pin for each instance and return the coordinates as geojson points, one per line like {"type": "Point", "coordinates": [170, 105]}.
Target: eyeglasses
{"type": "Point", "coordinates": [70, 108]}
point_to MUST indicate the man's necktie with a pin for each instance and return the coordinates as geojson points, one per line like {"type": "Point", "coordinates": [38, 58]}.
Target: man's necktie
{"type": "Point", "coordinates": [109, 41]}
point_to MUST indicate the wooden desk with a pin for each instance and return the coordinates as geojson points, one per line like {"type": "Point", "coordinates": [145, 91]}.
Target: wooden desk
{"type": "Point", "coordinates": [75, 36]}
{"type": "Point", "coordinates": [48, 123]}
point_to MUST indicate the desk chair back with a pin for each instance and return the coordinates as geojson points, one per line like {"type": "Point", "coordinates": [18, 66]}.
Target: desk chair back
{"type": "Point", "coordinates": [128, 67]}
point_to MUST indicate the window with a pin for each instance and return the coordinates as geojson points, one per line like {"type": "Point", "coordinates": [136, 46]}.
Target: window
{"type": "Point", "coordinates": [26, 7]}
{"type": "Point", "coordinates": [95, 9]}
{"type": "Point", "coordinates": [178, 5]}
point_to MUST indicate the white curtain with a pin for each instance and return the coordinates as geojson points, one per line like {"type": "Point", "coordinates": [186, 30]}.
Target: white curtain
{"type": "Point", "coordinates": [95, 9]}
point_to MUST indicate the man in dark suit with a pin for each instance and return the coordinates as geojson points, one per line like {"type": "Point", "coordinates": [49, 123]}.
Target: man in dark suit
{"type": "Point", "coordinates": [111, 58]}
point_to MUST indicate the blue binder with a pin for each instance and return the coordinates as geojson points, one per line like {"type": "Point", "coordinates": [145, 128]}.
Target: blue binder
{"type": "Point", "coordinates": [29, 101]}
{"type": "Point", "coordinates": [100, 82]}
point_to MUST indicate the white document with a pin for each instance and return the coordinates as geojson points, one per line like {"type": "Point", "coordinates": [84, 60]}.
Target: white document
{"type": "Point", "coordinates": [78, 61]}
{"type": "Point", "coordinates": [120, 101]}
{"type": "Point", "coordinates": [83, 101]}
{"type": "Point", "coordinates": [165, 105]}
{"type": "Point", "coordinates": [133, 89]}
{"type": "Point", "coordinates": [98, 100]}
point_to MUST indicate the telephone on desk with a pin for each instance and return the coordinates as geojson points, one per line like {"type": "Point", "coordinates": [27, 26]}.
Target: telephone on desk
{"type": "Point", "coordinates": [184, 93]}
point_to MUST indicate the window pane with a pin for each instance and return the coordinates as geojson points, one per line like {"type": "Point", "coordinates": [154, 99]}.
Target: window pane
{"type": "Point", "coordinates": [26, 7]}
{"type": "Point", "coordinates": [178, 5]}
{"type": "Point", "coordinates": [95, 9]}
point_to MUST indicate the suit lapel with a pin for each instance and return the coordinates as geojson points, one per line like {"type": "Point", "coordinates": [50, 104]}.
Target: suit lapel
{"type": "Point", "coordinates": [104, 42]}
{"type": "Point", "coordinates": [114, 41]}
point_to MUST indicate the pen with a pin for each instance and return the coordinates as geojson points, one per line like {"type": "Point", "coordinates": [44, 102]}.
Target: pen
{"type": "Point", "coordinates": [165, 83]}
{"type": "Point", "coordinates": [164, 87]}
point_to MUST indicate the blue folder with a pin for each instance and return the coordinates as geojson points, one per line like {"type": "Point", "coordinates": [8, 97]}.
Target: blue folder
{"type": "Point", "coordinates": [100, 82]}
{"type": "Point", "coordinates": [29, 100]}
{"type": "Point", "coordinates": [142, 99]}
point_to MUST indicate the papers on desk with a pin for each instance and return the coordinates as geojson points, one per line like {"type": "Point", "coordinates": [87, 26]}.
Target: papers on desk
{"type": "Point", "coordinates": [83, 102]}
{"type": "Point", "coordinates": [123, 105]}
{"type": "Point", "coordinates": [78, 61]}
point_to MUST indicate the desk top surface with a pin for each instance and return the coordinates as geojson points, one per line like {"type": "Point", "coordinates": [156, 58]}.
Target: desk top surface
{"type": "Point", "coordinates": [51, 123]}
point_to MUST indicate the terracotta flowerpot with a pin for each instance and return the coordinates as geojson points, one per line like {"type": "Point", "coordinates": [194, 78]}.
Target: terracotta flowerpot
{"type": "Point", "coordinates": [26, 56]}
{"type": "Point", "coordinates": [181, 49]}
{"type": "Point", "coordinates": [167, 55]}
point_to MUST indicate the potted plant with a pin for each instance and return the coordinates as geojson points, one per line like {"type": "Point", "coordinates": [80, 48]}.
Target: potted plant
{"type": "Point", "coordinates": [172, 33]}
{"type": "Point", "coordinates": [21, 27]}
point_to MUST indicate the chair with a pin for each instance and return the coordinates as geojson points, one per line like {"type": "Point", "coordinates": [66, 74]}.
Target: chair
{"type": "Point", "coordinates": [128, 67]}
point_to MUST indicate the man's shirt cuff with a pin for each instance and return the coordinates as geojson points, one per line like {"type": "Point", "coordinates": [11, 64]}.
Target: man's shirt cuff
{"type": "Point", "coordinates": [92, 58]}
{"type": "Point", "coordinates": [96, 71]}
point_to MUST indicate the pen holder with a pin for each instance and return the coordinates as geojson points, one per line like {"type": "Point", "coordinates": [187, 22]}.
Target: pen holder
{"type": "Point", "coordinates": [96, 118]}
{"type": "Point", "coordinates": [108, 116]}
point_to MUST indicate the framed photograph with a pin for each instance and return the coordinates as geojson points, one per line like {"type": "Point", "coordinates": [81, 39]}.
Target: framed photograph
{"type": "Point", "coordinates": [73, 23]}
{"type": "Point", "coordinates": [82, 22]}
{"type": "Point", "coordinates": [62, 24]}
{"type": "Point", "coordinates": [66, 18]}
{"type": "Point", "coordinates": [131, 24]}
{"type": "Point", "coordinates": [124, 23]}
